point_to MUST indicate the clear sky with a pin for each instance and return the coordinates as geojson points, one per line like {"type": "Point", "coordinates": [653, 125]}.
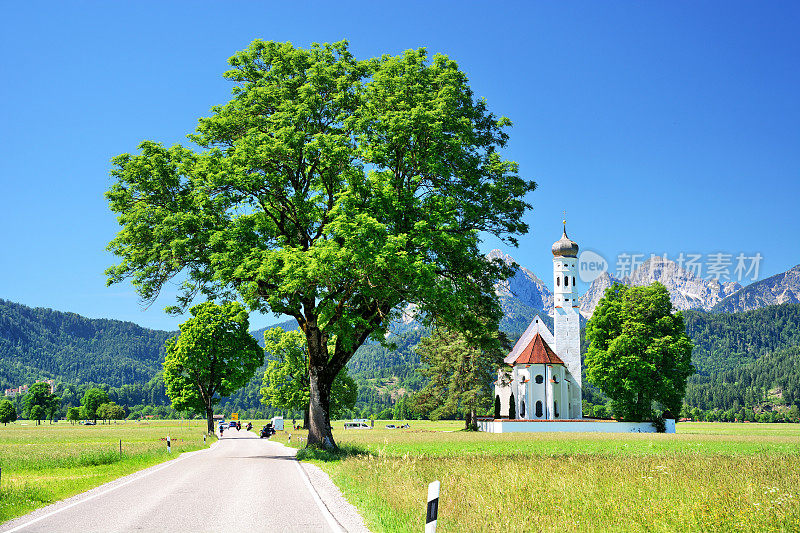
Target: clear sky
{"type": "Point", "coordinates": [660, 127]}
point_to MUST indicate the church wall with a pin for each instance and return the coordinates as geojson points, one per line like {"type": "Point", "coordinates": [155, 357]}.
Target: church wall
{"type": "Point", "coordinates": [571, 426]}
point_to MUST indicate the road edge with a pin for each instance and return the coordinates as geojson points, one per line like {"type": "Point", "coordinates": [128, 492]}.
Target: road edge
{"type": "Point", "coordinates": [329, 497]}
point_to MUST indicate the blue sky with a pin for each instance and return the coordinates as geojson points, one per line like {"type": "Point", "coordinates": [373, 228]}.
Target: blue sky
{"type": "Point", "coordinates": [660, 127]}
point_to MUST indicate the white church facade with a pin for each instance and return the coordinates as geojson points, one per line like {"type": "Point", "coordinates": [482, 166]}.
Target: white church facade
{"type": "Point", "coordinates": [542, 391]}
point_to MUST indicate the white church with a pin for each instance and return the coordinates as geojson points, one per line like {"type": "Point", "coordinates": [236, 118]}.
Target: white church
{"type": "Point", "coordinates": [545, 380]}
{"type": "Point", "coordinates": [544, 383]}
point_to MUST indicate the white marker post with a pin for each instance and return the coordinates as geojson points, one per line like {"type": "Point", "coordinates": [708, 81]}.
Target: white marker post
{"type": "Point", "coordinates": [433, 507]}
{"type": "Point", "coordinates": [169, 448]}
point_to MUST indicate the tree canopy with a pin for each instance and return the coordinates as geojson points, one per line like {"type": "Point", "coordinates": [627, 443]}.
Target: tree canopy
{"type": "Point", "coordinates": [286, 385]}
{"type": "Point", "coordinates": [213, 356]}
{"type": "Point", "coordinates": [7, 412]}
{"type": "Point", "coordinates": [92, 399]}
{"type": "Point", "coordinates": [333, 190]}
{"type": "Point", "coordinates": [639, 352]}
{"type": "Point", "coordinates": [111, 411]}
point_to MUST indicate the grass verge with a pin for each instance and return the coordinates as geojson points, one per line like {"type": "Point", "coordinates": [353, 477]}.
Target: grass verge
{"type": "Point", "coordinates": [47, 463]}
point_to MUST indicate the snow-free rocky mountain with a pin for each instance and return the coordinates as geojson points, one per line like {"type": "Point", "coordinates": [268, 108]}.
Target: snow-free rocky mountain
{"type": "Point", "coordinates": [778, 289]}
{"type": "Point", "coordinates": [525, 291]}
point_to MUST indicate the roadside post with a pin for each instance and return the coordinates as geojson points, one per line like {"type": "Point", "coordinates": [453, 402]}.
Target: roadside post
{"type": "Point", "coordinates": [169, 446]}
{"type": "Point", "coordinates": [204, 438]}
{"type": "Point", "coordinates": [433, 507]}
{"type": "Point", "coordinates": [120, 447]}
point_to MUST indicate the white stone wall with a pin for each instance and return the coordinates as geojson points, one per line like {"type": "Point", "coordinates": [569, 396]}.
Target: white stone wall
{"type": "Point", "coordinates": [571, 426]}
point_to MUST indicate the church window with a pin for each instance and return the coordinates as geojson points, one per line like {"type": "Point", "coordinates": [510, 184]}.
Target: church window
{"type": "Point", "coordinates": [522, 410]}
{"type": "Point", "coordinates": [555, 408]}
{"type": "Point", "coordinates": [539, 408]}
{"type": "Point", "coordinates": [566, 281]}
{"type": "Point", "coordinates": [539, 379]}
{"type": "Point", "coordinates": [573, 281]}
{"type": "Point", "coordinates": [558, 281]}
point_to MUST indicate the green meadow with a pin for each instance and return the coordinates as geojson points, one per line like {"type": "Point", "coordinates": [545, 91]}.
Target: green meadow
{"type": "Point", "coordinates": [707, 477]}
{"type": "Point", "coordinates": [46, 463]}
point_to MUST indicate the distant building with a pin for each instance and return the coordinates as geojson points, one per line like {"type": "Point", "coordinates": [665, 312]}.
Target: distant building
{"type": "Point", "coordinates": [22, 389]}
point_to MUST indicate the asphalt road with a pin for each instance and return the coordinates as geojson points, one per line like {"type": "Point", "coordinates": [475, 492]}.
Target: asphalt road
{"type": "Point", "coordinates": [243, 483]}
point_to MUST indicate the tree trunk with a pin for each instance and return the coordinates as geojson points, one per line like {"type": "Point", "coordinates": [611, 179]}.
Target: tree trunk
{"type": "Point", "coordinates": [319, 429]}
{"type": "Point", "coordinates": [210, 419]}
{"type": "Point", "coordinates": [306, 419]}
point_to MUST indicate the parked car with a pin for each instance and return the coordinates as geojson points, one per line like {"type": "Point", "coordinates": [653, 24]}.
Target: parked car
{"type": "Point", "coordinates": [357, 425]}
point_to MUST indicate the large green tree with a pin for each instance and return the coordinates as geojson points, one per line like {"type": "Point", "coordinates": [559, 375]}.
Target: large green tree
{"type": "Point", "coordinates": [92, 399]}
{"type": "Point", "coordinates": [39, 395]}
{"type": "Point", "coordinates": [7, 412]}
{"type": "Point", "coordinates": [286, 385]}
{"type": "Point", "coordinates": [74, 414]}
{"type": "Point", "coordinates": [639, 353]}
{"type": "Point", "coordinates": [460, 376]}
{"type": "Point", "coordinates": [111, 411]}
{"type": "Point", "coordinates": [213, 356]}
{"type": "Point", "coordinates": [333, 190]}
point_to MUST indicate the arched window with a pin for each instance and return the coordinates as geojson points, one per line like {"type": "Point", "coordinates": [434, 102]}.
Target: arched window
{"type": "Point", "coordinates": [539, 379]}
{"type": "Point", "coordinates": [539, 408]}
{"type": "Point", "coordinates": [555, 408]}
{"type": "Point", "coordinates": [566, 281]}
{"type": "Point", "coordinates": [573, 281]}
{"type": "Point", "coordinates": [522, 410]}
{"type": "Point", "coordinates": [558, 281]}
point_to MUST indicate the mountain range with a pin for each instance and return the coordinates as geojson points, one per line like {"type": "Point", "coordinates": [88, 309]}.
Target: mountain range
{"type": "Point", "coordinates": [687, 290]}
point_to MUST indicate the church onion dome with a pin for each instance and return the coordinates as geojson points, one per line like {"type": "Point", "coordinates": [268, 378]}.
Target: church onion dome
{"type": "Point", "coordinates": [565, 247]}
{"type": "Point", "coordinates": [538, 353]}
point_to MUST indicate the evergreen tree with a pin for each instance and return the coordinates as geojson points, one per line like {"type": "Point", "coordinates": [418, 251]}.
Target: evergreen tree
{"type": "Point", "coordinates": [460, 376]}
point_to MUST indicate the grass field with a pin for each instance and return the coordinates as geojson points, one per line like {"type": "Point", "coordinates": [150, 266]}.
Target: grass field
{"type": "Point", "coordinates": [708, 477]}
{"type": "Point", "coordinates": [47, 463]}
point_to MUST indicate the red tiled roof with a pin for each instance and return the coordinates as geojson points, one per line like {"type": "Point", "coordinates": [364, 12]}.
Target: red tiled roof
{"type": "Point", "coordinates": [537, 352]}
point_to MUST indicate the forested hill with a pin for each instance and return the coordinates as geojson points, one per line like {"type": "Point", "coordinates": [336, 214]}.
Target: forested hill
{"type": "Point", "coordinates": [745, 359]}
{"type": "Point", "coordinates": [37, 343]}
{"type": "Point", "coordinates": [725, 341]}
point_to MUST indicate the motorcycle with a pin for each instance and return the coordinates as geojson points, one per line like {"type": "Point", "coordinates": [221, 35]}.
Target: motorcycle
{"type": "Point", "coordinates": [267, 431]}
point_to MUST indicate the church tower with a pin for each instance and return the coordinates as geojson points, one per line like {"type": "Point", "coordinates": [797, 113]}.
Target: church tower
{"type": "Point", "coordinates": [566, 316]}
